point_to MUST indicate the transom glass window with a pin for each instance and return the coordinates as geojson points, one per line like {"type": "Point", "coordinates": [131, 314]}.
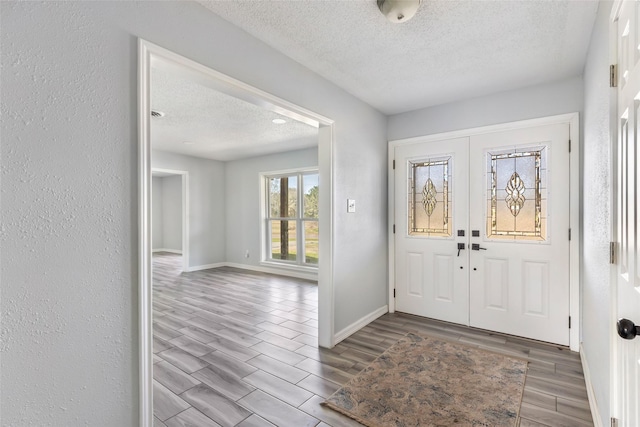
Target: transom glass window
{"type": "Point", "coordinates": [292, 218]}
{"type": "Point", "coordinates": [430, 197]}
{"type": "Point", "coordinates": [517, 194]}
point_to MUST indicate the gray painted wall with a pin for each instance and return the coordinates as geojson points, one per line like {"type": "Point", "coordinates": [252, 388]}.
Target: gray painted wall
{"type": "Point", "coordinates": [172, 212]}
{"type": "Point", "coordinates": [206, 205]}
{"type": "Point", "coordinates": [596, 178]}
{"type": "Point", "coordinates": [549, 99]}
{"type": "Point", "coordinates": [156, 213]}
{"type": "Point", "coordinates": [70, 198]}
{"type": "Point", "coordinates": [243, 199]}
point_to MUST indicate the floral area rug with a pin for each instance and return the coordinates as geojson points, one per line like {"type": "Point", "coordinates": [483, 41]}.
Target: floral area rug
{"type": "Point", "coordinates": [425, 381]}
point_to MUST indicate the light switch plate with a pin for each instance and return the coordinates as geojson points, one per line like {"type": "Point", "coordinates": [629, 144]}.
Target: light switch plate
{"type": "Point", "coordinates": [351, 205]}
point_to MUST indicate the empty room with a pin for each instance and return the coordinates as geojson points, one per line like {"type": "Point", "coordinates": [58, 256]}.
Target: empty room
{"type": "Point", "coordinates": [320, 213]}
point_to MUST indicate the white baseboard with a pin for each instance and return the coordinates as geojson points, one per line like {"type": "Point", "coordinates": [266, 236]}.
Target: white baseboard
{"type": "Point", "coordinates": [205, 267]}
{"type": "Point", "coordinates": [593, 404]}
{"type": "Point", "coordinates": [281, 272]}
{"type": "Point", "coordinates": [261, 269]}
{"type": "Point", "coordinates": [359, 324]}
{"type": "Point", "coordinates": [173, 251]}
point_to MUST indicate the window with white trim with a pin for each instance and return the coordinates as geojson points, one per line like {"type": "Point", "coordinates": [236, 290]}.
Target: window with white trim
{"type": "Point", "coordinates": [291, 220]}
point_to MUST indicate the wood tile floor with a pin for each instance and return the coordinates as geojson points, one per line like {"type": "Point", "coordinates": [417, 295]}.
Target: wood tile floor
{"type": "Point", "coordinates": [236, 348]}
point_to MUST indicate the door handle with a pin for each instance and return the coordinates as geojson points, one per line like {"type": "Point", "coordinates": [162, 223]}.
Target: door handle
{"type": "Point", "coordinates": [476, 247]}
{"type": "Point", "coordinates": [460, 248]}
{"type": "Point", "coordinates": [627, 329]}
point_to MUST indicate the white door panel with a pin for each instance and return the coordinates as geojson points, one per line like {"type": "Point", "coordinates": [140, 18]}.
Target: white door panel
{"type": "Point", "coordinates": [495, 295]}
{"type": "Point", "coordinates": [415, 275]}
{"type": "Point", "coordinates": [443, 265]}
{"type": "Point", "coordinates": [431, 193]}
{"type": "Point", "coordinates": [523, 194]}
{"type": "Point", "coordinates": [535, 284]}
{"type": "Point", "coordinates": [626, 353]}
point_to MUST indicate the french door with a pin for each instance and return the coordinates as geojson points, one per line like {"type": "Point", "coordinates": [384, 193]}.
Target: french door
{"type": "Point", "coordinates": [482, 231]}
{"type": "Point", "coordinates": [626, 352]}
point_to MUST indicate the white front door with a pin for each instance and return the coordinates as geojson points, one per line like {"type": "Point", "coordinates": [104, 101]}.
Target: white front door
{"type": "Point", "coordinates": [488, 244]}
{"type": "Point", "coordinates": [626, 352]}
{"type": "Point", "coordinates": [432, 279]}
{"type": "Point", "coordinates": [520, 210]}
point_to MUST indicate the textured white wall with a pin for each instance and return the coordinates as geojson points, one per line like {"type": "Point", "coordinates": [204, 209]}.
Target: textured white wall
{"type": "Point", "coordinates": [172, 212]}
{"type": "Point", "coordinates": [596, 323]}
{"type": "Point", "coordinates": [206, 205]}
{"type": "Point", "coordinates": [549, 99]}
{"type": "Point", "coordinates": [69, 194]}
{"type": "Point", "coordinates": [157, 224]}
{"type": "Point", "coordinates": [69, 293]}
{"type": "Point", "coordinates": [243, 199]}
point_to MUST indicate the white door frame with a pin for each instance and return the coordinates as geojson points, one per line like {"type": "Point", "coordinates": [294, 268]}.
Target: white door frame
{"type": "Point", "coordinates": [184, 175]}
{"type": "Point", "coordinates": [148, 52]}
{"type": "Point", "coordinates": [574, 204]}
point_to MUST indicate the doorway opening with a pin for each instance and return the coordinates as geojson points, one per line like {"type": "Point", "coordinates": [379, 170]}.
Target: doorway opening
{"type": "Point", "coordinates": [170, 214]}
{"type": "Point", "coordinates": [151, 55]}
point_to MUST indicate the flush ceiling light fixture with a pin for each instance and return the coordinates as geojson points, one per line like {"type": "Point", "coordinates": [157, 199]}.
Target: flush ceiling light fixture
{"type": "Point", "coordinates": [279, 121]}
{"type": "Point", "coordinates": [398, 11]}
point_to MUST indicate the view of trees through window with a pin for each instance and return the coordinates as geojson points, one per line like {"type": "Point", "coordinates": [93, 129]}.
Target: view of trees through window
{"type": "Point", "coordinates": [293, 231]}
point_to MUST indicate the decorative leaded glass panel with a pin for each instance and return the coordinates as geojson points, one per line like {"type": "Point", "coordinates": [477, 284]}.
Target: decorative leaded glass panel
{"type": "Point", "coordinates": [517, 194]}
{"type": "Point", "coordinates": [430, 197]}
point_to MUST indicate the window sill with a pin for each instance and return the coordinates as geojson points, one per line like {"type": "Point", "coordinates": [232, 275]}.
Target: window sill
{"type": "Point", "coordinates": [291, 267]}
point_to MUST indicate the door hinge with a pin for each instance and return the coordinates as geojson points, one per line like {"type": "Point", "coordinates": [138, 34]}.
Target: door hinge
{"type": "Point", "coordinates": [612, 253]}
{"type": "Point", "coordinates": [394, 164]}
{"type": "Point", "coordinates": [569, 234]}
{"type": "Point", "coordinates": [394, 292]}
{"type": "Point", "coordinates": [394, 229]}
{"type": "Point", "coordinates": [569, 322]}
{"type": "Point", "coordinates": [614, 422]}
{"type": "Point", "coordinates": [613, 75]}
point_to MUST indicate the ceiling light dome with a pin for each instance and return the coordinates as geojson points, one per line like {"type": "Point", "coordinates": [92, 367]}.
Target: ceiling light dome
{"type": "Point", "coordinates": [398, 11]}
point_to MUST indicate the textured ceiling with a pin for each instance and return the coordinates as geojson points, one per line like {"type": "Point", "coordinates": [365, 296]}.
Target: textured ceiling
{"type": "Point", "coordinates": [449, 51]}
{"type": "Point", "coordinates": [217, 126]}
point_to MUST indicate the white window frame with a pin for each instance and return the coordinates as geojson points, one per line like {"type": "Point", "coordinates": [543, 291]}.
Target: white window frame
{"type": "Point", "coordinates": [265, 219]}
